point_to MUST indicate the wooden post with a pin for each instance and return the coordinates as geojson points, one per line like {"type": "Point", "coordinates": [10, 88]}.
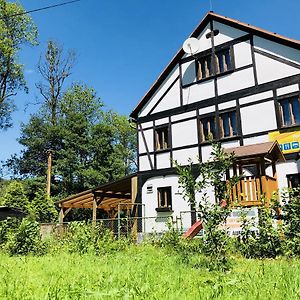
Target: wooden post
{"type": "Point", "coordinates": [94, 210]}
{"type": "Point", "coordinates": [49, 169]}
{"type": "Point", "coordinates": [61, 216]}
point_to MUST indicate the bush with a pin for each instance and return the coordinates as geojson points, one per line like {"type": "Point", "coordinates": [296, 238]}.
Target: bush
{"type": "Point", "coordinates": [25, 239]}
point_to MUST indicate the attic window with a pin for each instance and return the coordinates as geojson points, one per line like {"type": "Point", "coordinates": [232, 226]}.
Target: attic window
{"type": "Point", "coordinates": [223, 60]}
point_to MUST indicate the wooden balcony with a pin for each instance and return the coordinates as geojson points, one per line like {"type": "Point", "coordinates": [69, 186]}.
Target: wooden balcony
{"type": "Point", "coordinates": [256, 167]}
{"type": "Point", "coordinates": [250, 190]}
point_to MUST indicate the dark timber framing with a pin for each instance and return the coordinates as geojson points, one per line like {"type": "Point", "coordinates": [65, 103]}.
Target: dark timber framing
{"type": "Point", "coordinates": [252, 30]}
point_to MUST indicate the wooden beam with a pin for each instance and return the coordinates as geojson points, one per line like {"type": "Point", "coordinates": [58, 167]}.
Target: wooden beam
{"type": "Point", "coordinates": [113, 195]}
{"type": "Point", "coordinates": [94, 211]}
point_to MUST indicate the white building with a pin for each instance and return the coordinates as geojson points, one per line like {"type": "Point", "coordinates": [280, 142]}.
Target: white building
{"type": "Point", "coordinates": [242, 87]}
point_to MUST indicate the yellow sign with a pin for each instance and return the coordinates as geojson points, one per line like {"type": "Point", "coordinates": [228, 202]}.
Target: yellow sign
{"type": "Point", "coordinates": [289, 141]}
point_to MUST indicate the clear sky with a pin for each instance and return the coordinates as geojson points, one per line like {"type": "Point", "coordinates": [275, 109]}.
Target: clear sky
{"type": "Point", "coordinates": [123, 45]}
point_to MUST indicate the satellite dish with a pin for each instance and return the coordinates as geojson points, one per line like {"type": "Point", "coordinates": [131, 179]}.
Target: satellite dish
{"type": "Point", "coordinates": [191, 45]}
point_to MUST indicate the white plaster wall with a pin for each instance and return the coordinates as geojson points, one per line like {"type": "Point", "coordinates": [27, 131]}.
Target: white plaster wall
{"type": "Point", "coordinates": [146, 125]}
{"type": "Point", "coordinates": [198, 92]}
{"type": "Point", "coordinates": [256, 97]}
{"type": "Point", "coordinates": [242, 54]}
{"type": "Point", "coordinates": [170, 100]}
{"type": "Point", "coordinates": [183, 156]}
{"type": "Point", "coordinates": [149, 140]}
{"type": "Point", "coordinates": [256, 140]}
{"type": "Point", "coordinates": [259, 117]}
{"type": "Point", "coordinates": [206, 151]}
{"type": "Point", "coordinates": [269, 69]}
{"type": "Point", "coordinates": [230, 144]}
{"type": "Point", "coordinates": [226, 34]}
{"type": "Point", "coordinates": [188, 71]}
{"type": "Point", "coordinates": [161, 121]}
{"type": "Point", "coordinates": [151, 202]}
{"type": "Point", "coordinates": [284, 169]}
{"type": "Point", "coordinates": [227, 104]}
{"type": "Point", "coordinates": [206, 110]}
{"type": "Point", "coordinates": [288, 89]}
{"type": "Point", "coordinates": [277, 49]}
{"type": "Point", "coordinates": [160, 91]}
{"type": "Point", "coordinates": [144, 164]}
{"type": "Point", "coordinates": [204, 42]}
{"type": "Point", "coordinates": [184, 133]}
{"type": "Point", "coordinates": [163, 160]}
{"type": "Point", "coordinates": [235, 81]}
{"type": "Point", "coordinates": [183, 116]}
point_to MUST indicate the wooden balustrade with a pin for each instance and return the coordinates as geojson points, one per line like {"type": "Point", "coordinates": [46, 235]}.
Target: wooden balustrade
{"type": "Point", "coordinates": [249, 189]}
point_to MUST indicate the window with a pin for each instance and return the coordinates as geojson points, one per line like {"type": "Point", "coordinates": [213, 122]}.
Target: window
{"type": "Point", "coordinates": [208, 128]}
{"type": "Point", "coordinates": [293, 180]}
{"type": "Point", "coordinates": [164, 199]}
{"type": "Point", "coordinates": [223, 63]}
{"type": "Point", "coordinates": [162, 138]}
{"type": "Point", "coordinates": [228, 124]}
{"type": "Point", "coordinates": [204, 67]}
{"type": "Point", "coordinates": [290, 111]}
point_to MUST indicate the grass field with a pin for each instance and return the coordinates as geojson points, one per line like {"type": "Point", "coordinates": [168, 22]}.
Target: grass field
{"type": "Point", "coordinates": [144, 272]}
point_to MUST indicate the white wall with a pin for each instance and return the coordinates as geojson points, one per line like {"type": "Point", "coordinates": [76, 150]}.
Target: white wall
{"type": "Point", "coordinates": [183, 156]}
{"type": "Point", "coordinates": [163, 160]}
{"type": "Point", "coordinates": [286, 168]}
{"type": "Point", "coordinates": [226, 34]}
{"type": "Point", "coordinates": [235, 81]}
{"type": "Point", "coordinates": [149, 140]}
{"type": "Point", "coordinates": [151, 202]}
{"type": "Point", "coordinates": [184, 133]}
{"type": "Point", "coordinates": [198, 92]}
{"type": "Point", "coordinates": [159, 93]}
{"type": "Point", "coordinates": [259, 117]}
{"type": "Point", "coordinates": [242, 54]}
{"type": "Point", "coordinates": [269, 69]}
{"type": "Point", "coordinates": [144, 164]}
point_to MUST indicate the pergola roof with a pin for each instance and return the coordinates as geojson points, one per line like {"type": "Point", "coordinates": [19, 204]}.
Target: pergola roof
{"type": "Point", "coordinates": [108, 196]}
{"type": "Point", "coordinates": [269, 150]}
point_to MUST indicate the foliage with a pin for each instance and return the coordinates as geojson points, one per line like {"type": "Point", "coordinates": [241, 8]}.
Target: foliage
{"type": "Point", "coordinates": [291, 219]}
{"type": "Point", "coordinates": [30, 197]}
{"type": "Point", "coordinates": [211, 174]}
{"type": "Point", "coordinates": [91, 146]}
{"type": "Point", "coordinates": [25, 239]}
{"type": "Point", "coordinates": [82, 238]}
{"type": "Point", "coordinates": [266, 241]}
{"type": "Point", "coordinates": [143, 272]}
{"type": "Point", "coordinates": [16, 30]}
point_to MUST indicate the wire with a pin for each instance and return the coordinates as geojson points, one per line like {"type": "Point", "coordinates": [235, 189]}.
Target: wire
{"type": "Point", "coordinates": [39, 9]}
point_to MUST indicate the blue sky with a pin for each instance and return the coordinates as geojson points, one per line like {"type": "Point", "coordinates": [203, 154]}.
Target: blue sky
{"type": "Point", "coordinates": [123, 45]}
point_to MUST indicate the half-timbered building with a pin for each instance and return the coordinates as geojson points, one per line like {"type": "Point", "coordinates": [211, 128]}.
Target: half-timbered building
{"type": "Point", "coordinates": [242, 89]}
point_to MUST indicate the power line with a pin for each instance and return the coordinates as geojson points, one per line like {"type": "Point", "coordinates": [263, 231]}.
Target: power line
{"type": "Point", "coordinates": [39, 9]}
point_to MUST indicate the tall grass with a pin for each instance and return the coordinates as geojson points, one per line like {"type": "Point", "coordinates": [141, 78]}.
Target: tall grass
{"type": "Point", "coordinates": [143, 272]}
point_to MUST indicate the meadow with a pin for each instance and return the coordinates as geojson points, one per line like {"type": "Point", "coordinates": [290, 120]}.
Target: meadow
{"type": "Point", "coordinates": [144, 272]}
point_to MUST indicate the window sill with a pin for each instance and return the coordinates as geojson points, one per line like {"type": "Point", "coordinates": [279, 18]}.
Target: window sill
{"type": "Point", "coordinates": [164, 209]}
{"type": "Point", "coordinates": [163, 150]}
{"type": "Point", "coordinates": [290, 127]}
{"type": "Point", "coordinates": [224, 139]}
{"type": "Point", "coordinates": [208, 78]}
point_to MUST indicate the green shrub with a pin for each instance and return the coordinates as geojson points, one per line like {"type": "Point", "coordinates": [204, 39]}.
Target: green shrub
{"type": "Point", "coordinates": [25, 239]}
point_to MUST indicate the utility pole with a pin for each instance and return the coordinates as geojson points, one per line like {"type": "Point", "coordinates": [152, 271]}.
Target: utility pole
{"type": "Point", "coordinates": [49, 169]}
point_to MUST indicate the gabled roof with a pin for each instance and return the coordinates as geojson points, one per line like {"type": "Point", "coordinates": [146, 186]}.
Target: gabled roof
{"type": "Point", "coordinates": [222, 19]}
{"type": "Point", "coordinates": [270, 150]}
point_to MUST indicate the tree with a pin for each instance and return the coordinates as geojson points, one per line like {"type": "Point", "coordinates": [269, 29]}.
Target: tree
{"type": "Point", "coordinates": [16, 30]}
{"type": "Point", "coordinates": [91, 145]}
{"type": "Point", "coordinates": [54, 68]}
